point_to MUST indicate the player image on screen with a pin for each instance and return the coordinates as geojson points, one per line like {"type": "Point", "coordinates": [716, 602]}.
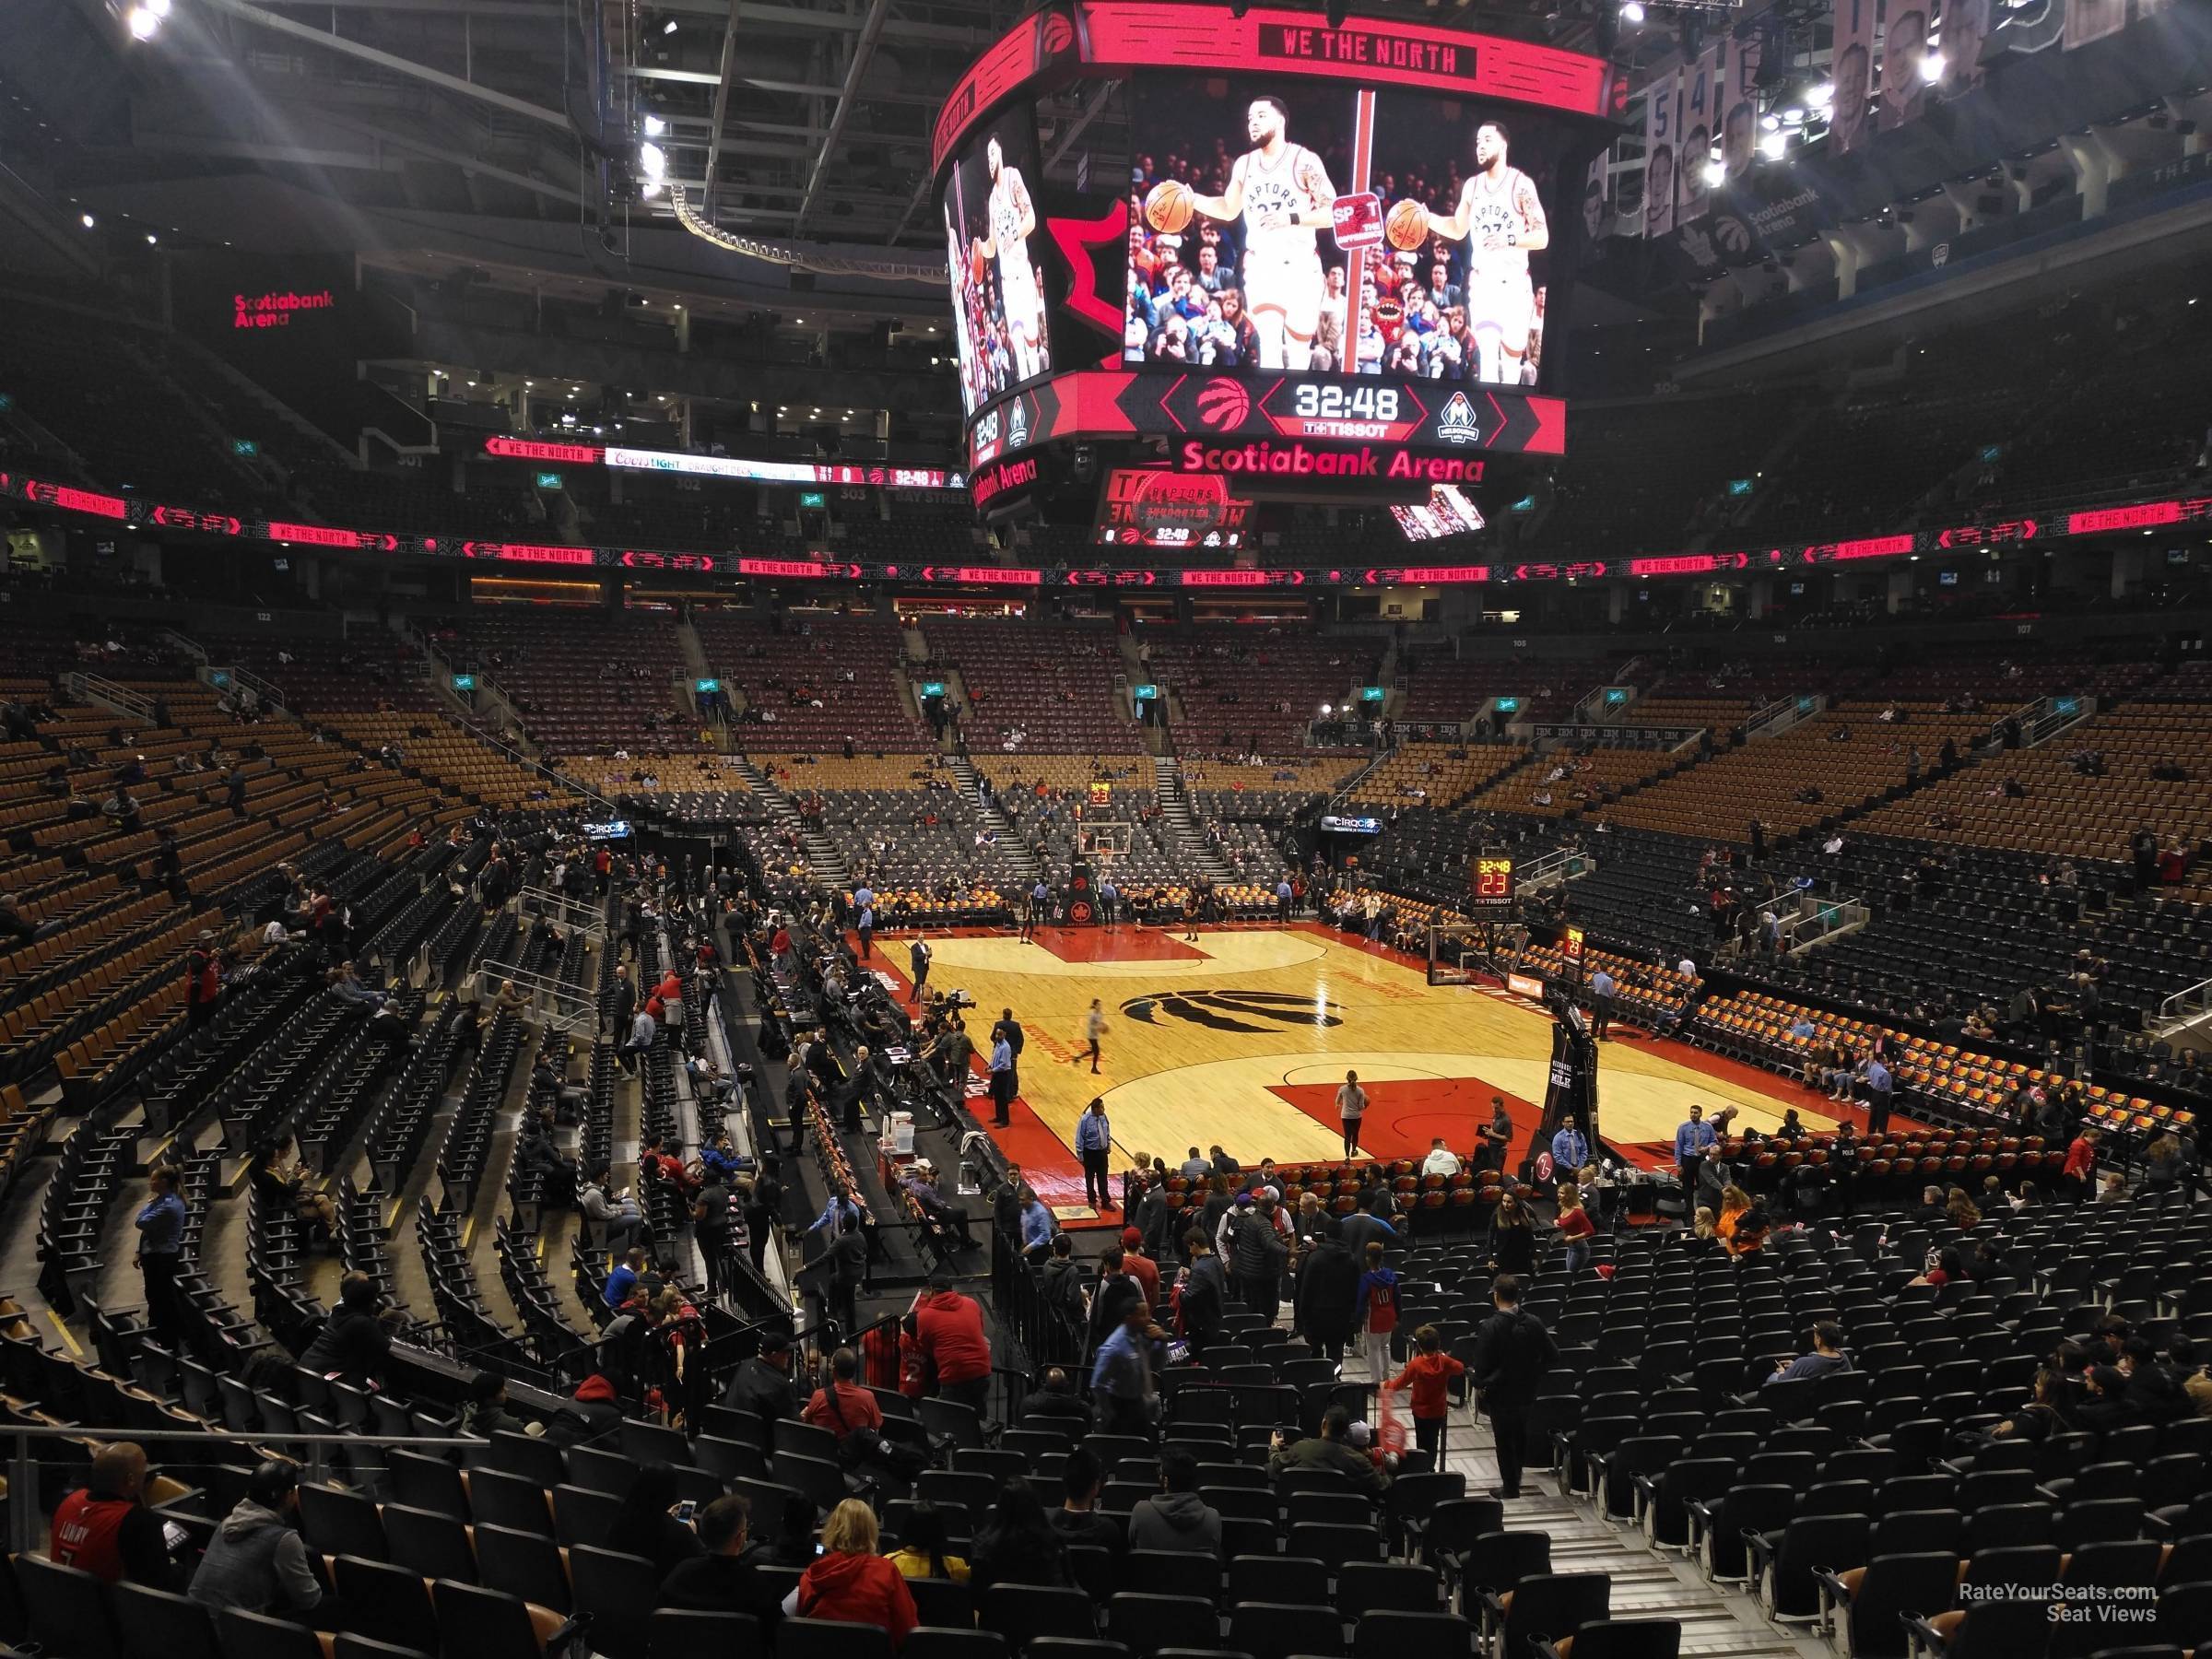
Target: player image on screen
{"type": "Point", "coordinates": [1502, 221]}
{"type": "Point", "coordinates": [999, 310]}
{"type": "Point", "coordinates": [1299, 236]}
{"type": "Point", "coordinates": [1013, 219]}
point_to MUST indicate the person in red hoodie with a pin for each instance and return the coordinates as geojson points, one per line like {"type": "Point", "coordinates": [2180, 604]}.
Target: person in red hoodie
{"type": "Point", "coordinates": [1144, 1267]}
{"type": "Point", "coordinates": [850, 1582]}
{"type": "Point", "coordinates": [1429, 1373]}
{"type": "Point", "coordinates": [670, 992]}
{"type": "Point", "coordinates": [948, 1328]}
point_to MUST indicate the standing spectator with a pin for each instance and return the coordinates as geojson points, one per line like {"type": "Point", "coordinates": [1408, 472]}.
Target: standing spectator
{"type": "Point", "coordinates": [849, 1581]}
{"type": "Point", "coordinates": [160, 1248]}
{"type": "Point", "coordinates": [1351, 1106]}
{"type": "Point", "coordinates": [1140, 1265]}
{"type": "Point", "coordinates": [1094, 1144]}
{"type": "Point", "coordinates": [1513, 1351]}
{"type": "Point", "coordinates": [1121, 1377]}
{"type": "Point", "coordinates": [1176, 1519]}
{"type": "Point", "coordinates": [948, 1328]}
{"type": "Point", "coordinates": [1602, 990]}
{"type": "Point", "coordinates": [796, 1091]}
{"type": "Point", "coordinates": [643, 1031]}
{"type": "Point", "coordinates": [762, 1384]}
{"type": "Point", "coordinates": [1429, 1373]}
{"type": "Point", "coordinates": [1039, 1227]}
{"type": "Point", "coordinates": [711, 1231]}
{"type": "Point", "coordinates": [1328, 1286]}
{"type": "Point", "coordinates": [1002, 1082]}
{"type": "Point", "coordinates": [624, 1004]}
{"type": "Point", "coordinates": [1575, 1228]}
{"type": "Point", "coordinates": [1261, 1258]}
{"type": "Point", "coordinates": [203, 979]}
{"type": "Point", "coordinates": [1204, 1294]}
{"type": "Point", "coordinates": [105, 1528]}
{"type": "Point", "coordinates": [847, 1265]}
{"type": "Point", "coordinates": [2077, 1178]}
{"type": "Point", "coordinates": [1570, 1148]}
{"type": "Point", "coordinates": [1693, 1139]}
{"type": "Point", "coordinates": [1375, 1311]}
{"type": "Point", "coordinates": [670, 992]}
{"type": "Point", "coordinates": [1512, 1239]}
{"type": "Point", "coordinates": [257, 1560]}
{"type": "Point", "coordinates": [763, 1210]}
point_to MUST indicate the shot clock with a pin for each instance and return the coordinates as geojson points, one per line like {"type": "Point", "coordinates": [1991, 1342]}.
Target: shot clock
{"type": "Point", "coordinates": [1492, 884]}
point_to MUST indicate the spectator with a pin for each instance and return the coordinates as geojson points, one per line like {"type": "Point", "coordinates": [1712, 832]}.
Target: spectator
{"type": "Point", "coordinates": [1430, 1374]}
{"type": "Point", "coordinates": [1077, 1517]}
{"type": "Point", "coordinates": [161, 1247]}
{"type": "Point", "coordinates": [1375, 1311]}
{"type": "Point", "coordinates": [2079, 1177]}
{"type": "Point", "coordinates": [616, 1215]}
{"type": "Point", "coordinates": [486, 1413]}
{"type": "Point", "coordinates": [105, 1528]}
{"type": "Point", "coordinates": [849, 1581]}
{"type": "Point", "coordinates": [1120, 1377]}
{"type": "Point", "coordinates": [924, 1551]}
{"type": "Point", "coordinates": [948, 1328]}
{"type": "Point", "coordinates": [1328, 1451]}
{"type": "Point", "coordinates": [353, 1342]}
{"type": "Point", "coordinates": [1512, 1239]}
{"type": "Point", "coordinates": [720, 1580]}
{"type": "Point", "coordinates": [1513, 1351]}
{"type": "Point", "coordinates": [762, 1384]}
{"type": "Point", "coordinates": [1139, 1266]}
{"type": "Point", "coordinates": [1327, 1293]}
{"type": "Point", "coordinates": [1176, 1519]}
{"type": "Point", "coordinates": [623, 1279]}
{"type": "Point", "coordinates": [1261, 1256]}
{"type": "Point", "coordinates": [1018, 1546]}
{"type": "Point", "coordinates": [593, 1410]}
{"type": "Point", "coordinates": [1202, 1297]}
{"type": "Point", "coordinates": [1039, 1225]}
{"type": "Point", "coordinates": [644, 1523]}
{"type": "Point", "coordinates": [1575, 1228]}
{"type": "Point", "coordinates": [257, 1560]}
{"type": "Point", "coordinates": [1826, 1356]}
{"type": "Point", "coordinates": [1441, 1159]}
{"type": "Point", "coordinates": [1057, 1399]}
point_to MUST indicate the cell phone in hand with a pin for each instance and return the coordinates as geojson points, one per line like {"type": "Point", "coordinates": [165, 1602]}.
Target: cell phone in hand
{"type": "Point", "coordinates": [685, 1510]}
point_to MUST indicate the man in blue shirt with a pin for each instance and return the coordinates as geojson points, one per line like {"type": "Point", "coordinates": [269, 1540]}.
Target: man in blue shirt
{"type": "Point", "coordinates": [1037, 1224]}
{"type": "Point", "coordinates": [1692, 1141]}
{"type": "Point", "coordinates": [833, 1215]}
{"type": "Point", "coordinates": [160, 1248]}
{"type": "Point", "coordinates": [623, 1279]}
{"type": "Point", "coordinates": [1040, 897]}
{"type": "Point", "coordinates": [1803, 1028]}
{"type": "Point", "coordinates": [1110, 901]}
{"type": "Point", "coordinates": [1282, 901]}
{"type": "Point", "coordinates": [1601, 1004]}
{"type": "Point", "coordinates": [1094, 1144]}
{"type": "Point", "coordinates": [863, 902]}
{"type": "Point", "coordinates": [1570, 1149]}
{"type": "Point", "coordinates": [1878, 1086]}
{"type": "Point", "coordinates": [1121, 1377]}
{"type": "Point", "coordinates": [1001, 1080]}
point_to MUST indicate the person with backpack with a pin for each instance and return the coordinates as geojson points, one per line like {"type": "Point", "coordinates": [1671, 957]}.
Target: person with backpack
{"type": "Point", "coordinates": [1513, 1351]}
{"type": "Point", "coordinates": [1261, 1257]}
{"type": "Point", "coordinates": [1066, 1302]}
{"type": "Point", "coordinates": [1375, 1311]}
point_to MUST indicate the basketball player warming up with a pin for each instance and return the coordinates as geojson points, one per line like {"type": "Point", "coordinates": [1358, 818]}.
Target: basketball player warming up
{"type": "Point", "coordinates": [1282, 193]}
{"type": "Point", "coordinates": [1013, 221]}
{"type": "Point", "coordinates": [1502, 223]}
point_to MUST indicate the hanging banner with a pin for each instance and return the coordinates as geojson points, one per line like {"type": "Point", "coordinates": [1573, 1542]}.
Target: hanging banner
{"type": "Point", "coordinates": [1739, 99]}
{"type": "Point", "coordinates": [1965, 32]}
{"type": "Point", "coordinates": [1597, 198]}
{"type": "Point", "coordinates": [2089, 20]}
{"type": "Point", "coordinates": [1904, 63]}
{"type": "Point", "coordinates": [1700, 129]}
{"type": "Point", "coordinates": [1662, 131]}
{"type": "Point", "coordinates": [1848, 127]}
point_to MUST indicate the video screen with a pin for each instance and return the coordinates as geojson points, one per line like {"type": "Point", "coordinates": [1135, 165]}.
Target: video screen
{"type": "Point", "coordinates": [1447, 512]}
{"type": "Point", "coordinates": [1147, 508]}
{"type": "Point", "coordinates": [993, 240]}
{"type": "Point", "coordinates": [1327, 227]}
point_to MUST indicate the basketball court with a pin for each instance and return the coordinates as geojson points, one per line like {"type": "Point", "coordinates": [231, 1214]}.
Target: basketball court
{"type": "Point", "coordinates": [1240, 1038]}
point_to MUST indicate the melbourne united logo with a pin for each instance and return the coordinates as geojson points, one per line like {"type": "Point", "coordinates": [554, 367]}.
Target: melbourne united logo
{"type": "Point", "coordinates": [1233, 1010]}
{"type": "Point", "coordinates": [1018, 427]}
{"type": "Point", "coordinates": [1224, 405]}
{"type": "Point", "coordinates": [1457, 424]}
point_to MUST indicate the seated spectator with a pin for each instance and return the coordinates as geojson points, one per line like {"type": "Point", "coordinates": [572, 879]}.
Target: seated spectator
{"type": "Point", "coordinates": [105, 1528]}
{"type": "Point", "coordinates": [923, 1549]}
{"type": "Point", "coordinates": [645, 1523]}
{"type": "Point", "coordinates": [485, 1411]}
{"type": "Point", "coordinates": [849, 1581]}
{"type": "Point", "coordinates": [1176, 1519]}
{"type": "Point", "coordinates": [1826, 1356]}
{"type": "Point", "coordinates": [1077, 1517]}
{"type": "Point", "coordinates": [1328, 1451]}
{"type": "Point", "coordinates": [762, 1384]}
{"type": "Point", "coordinates": [257, 1562]}
{"type": "Point", "coordinates": [1057, 1398]}
{"type": "Point", "coordinates": [353, 1341]}
{"type": "Point", "coordinates": [1018, 1545]}
{"type": "Point", "coordinates": [721, 1579]}
{"type": "Point", "coordinates": [842, 1404]}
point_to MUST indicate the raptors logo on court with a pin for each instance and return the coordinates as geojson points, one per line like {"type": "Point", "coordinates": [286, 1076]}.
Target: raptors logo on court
{"type": "Point", "coordinates": [1218, 1010]}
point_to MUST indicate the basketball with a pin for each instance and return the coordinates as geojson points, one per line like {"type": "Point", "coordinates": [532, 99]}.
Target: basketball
{"type": "Point", "coordinates": [1167, 206]}
{"type": "Point", "coordinates": [979, 265]}
{"type": "Point", "coordinates": [1407, 225]}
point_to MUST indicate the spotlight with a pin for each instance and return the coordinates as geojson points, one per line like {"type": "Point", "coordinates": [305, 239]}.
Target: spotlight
{"type": "Point", "coordinates": [158, 8]}
{"type": "Point", "coordinates": [143, 22]}
{"type": "Point", "coordinates": [1773, 124]}
{"type": "Point", "coordinates": [152, 239]}
{"type": "Point", "coordinates": [1631, 11]}
{"type": "Point", "coordinates": [654, 160]}
{"type": "Point", "coordinates": [87, 221]}
{"type": "Point", "coordinates": [668, 28]}
{"type": "Point", "coordinates": [1931, 67]}
{"type": "Point", "coordinates": [654, 126]}
{"type": "Point", "coordinates": [1774, 145]}
{"type": "Point", "coordinates": [1822, 96]}
{"type": "Point", "coordinates": [1715, 175]}
{"type": "Point", "coordinates": [651, 191]}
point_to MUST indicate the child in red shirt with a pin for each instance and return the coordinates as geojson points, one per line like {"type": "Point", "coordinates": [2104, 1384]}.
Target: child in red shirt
{"type": "Point", "coordinates": [1429, 1373]}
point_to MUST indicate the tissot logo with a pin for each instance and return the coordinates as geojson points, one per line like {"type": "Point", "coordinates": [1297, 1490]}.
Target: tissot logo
{"type": "Point", "coordinates": [1457, 424]}
{"type": "Point", "coordinates": [1233, 1010]}
{"type": "Point", "coordinates": [1223, 405]}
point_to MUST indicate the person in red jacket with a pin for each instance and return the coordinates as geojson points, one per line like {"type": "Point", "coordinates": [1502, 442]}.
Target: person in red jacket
{"type": "Point", "coordinates": [1429, 1373]}
{"type": "Point", "coordinates": [1143, 1267]}
{"type": "Point", "coordinates": [850, 1582]}
{"type": "Point", "coordinates": [2079, 1175]}
{"type": "Point", "coordinates": [948, 1327]}
{"type": "Point", "coordinates": [105, 1528]}
{"type": "Point", "coordinates": [670, 992]}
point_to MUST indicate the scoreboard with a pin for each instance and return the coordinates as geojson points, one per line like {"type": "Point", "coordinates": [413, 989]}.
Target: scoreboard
{"type": "Point", "coordinates": [1490, 880]}
{"type": "Point", "coordinates": [1144, 508]}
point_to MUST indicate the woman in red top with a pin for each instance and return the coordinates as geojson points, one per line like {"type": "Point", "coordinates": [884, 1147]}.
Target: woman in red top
{"type": "Point", "coordinates": [850, 1582]}
{"type": "Point", "coordinates": [1429, 1373]}
{"type": "Point", "coordinates": [1575, 1226]}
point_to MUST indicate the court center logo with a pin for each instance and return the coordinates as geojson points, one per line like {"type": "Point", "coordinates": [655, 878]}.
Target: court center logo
{"type": "Point", "coordinates": [1233, 1010]}
{"type": "Point", "coordinates": [1223, 405]}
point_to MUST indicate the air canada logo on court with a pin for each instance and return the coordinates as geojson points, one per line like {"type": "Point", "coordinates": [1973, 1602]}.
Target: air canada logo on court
{"type": "Point", "coordinates": [1233, 1010]}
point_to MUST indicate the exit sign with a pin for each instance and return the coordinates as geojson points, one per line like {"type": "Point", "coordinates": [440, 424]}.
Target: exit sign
{"type": "Point", "coordinates": [1509, 705]}
{"type": "Point", "coordinates": [813, 498]}
{"type": "Point", "coordinates": [464, 682]}
{"type": "Point", "coordinates": [932, 687]}
{"type": "Point", "coordinates": [1144, 693]}
{"type": "Point", "coordinates": [245, 446]}
{"type": "Point", "coordinates": [1369, 694]}
{"type": "Point", "coordinates": [706, 685]}
{"type": "Point", "coordinates": [548, 480]}
{"type": "Point", "coordinates": [1739, 486]}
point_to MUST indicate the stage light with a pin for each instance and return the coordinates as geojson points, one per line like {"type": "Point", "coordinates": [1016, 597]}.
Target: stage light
{"type": "Point", "coordinates": [654, 160]}
{"type": "Point", "coordinates": [1931, 67]}
{"type": "Point", "coordinates": [152, 239]}
{"type": "Point", "coordinates": [86, 220]}
{"type": "Point", "coordinates": [668, 28]}
{"type": "Point", "coordinates": [651, 191]}
{"type": "Point", "coordinates": [1771, 123]}
{"type": "Point", "coordinates": [143, 22]}
{"type": "Point", "coordinates": [654, 126]}
{"type": "Point", "coordinates": [1822, 96]}
{"type": "Point", "coordinates": [1774, 145]}
{"type": "Point", "coordinates": [1715, 175]}
{"type": "Point", "coordinates": [1327, 710]}
{"type": "Point", "coordinates": [1631, 11]}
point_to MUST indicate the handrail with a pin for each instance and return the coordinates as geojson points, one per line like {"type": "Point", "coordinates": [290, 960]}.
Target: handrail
{"type": "Point", "coordinates": [2190, 1003]}
{"type": "Point", "coordinates": [563, 911]}
{"type": "Point", "coordinates": [564, 1005]}
{"type": "Point", "coordinates": [94, 687]}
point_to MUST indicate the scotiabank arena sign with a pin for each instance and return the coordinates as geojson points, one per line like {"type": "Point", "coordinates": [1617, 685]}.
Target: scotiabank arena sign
{"type": "Point", "coordinates": [1356, 463]}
